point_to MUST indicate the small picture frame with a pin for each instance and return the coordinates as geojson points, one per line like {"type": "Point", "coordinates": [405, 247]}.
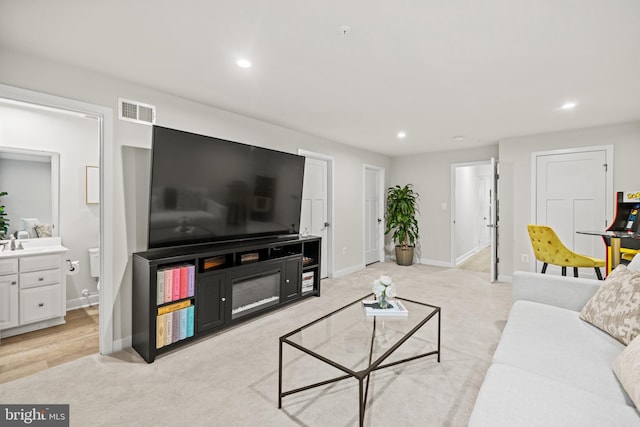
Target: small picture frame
{"type": "Point", "coordinates": [93, 184]}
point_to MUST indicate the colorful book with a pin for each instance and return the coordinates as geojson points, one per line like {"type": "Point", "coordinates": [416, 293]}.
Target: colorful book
{"type": "Point", "coordinates": [175, 284]}
{"type": "Point", "coordinates": [168, 277]}
{"type": "Point", "coordinates": [184, 281]}
{"type": "Point", "coordinates": [183, 323]}
{"type": "Point", "coordinates": [192, 281]}
{"type": "Point", "coordinates": [160, 325]}
{"type": "Point", "coordinates": [168, 329]}
{"type": "Point", "coordinates": [160, 281]}
{"type": "Point", "coordinates": [175, 333]}
{"type": "Point", "coordinates": [190, 320]}
{"type": "Point", "coordinates": [173, 307]}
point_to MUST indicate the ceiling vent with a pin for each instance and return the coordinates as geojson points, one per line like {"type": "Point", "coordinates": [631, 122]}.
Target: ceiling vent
{"type": "Point", "coordinates": [137, 112]}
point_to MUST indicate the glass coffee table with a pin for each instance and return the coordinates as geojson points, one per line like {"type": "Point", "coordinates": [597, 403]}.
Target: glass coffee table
{"type": "Point", "coordinates": [357, 344]}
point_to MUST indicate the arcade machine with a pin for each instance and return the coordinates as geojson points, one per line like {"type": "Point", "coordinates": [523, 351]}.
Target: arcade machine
{"type": "Point", "coordinates": [623, 236]}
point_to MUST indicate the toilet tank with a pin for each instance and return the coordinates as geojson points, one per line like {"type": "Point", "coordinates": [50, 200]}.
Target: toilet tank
{"type": "Point", "coordinates": [94, 262]}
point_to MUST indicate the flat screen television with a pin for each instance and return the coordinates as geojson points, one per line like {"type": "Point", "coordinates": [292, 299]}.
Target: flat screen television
{"type": "Point", "coordinates": [206, 189]}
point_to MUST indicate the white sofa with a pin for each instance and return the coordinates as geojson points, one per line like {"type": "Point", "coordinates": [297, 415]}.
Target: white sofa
{"type": "Point", "coordinates": [550, 367]}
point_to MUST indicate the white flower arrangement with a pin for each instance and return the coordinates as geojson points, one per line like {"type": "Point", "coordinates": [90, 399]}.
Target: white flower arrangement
{"type": "Point", "coordinates": [383, 287]}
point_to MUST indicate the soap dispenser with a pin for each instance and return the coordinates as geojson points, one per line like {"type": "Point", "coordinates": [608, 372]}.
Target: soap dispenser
{"type": "Point", "coordinates": [13, 243]}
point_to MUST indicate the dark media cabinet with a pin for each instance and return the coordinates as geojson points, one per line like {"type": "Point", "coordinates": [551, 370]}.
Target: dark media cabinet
{"type": "Point", "coordinates": [216, 286]}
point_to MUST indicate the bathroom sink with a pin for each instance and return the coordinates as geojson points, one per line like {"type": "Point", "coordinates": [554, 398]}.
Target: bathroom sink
{"type": "Point", "coordinates": [28, 251]}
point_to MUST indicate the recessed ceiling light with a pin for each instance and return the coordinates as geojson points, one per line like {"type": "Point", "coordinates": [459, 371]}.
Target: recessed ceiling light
{"type": "Point", "coordinates": [458, 138]}
{"type": "Point", "coordinates": [401, 135]}
{"type": "Point", "coordinates": [568, 106]}
{"type": "Point", "coordinates": [243, 63]}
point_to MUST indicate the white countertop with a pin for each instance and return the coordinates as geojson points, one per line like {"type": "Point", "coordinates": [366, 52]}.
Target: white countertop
{"type": "Point", "coordinates": [46, 245]}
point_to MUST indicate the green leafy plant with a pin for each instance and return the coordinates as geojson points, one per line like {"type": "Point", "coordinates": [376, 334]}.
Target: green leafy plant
{"type": "Point", "coordinates": [402, 208]}
{"type": "Point", "coordinates": [4, 221]}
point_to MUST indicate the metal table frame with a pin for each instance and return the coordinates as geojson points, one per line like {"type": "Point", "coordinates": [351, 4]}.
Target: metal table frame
{"type": "Point", "coordinates": [363, 375]}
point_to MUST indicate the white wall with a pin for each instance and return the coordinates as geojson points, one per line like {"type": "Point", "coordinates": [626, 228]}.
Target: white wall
{"type": "Point", "coordinates": [431, 176]}
{"type": "Point", "coordinates": [132, 141]}
{"type": "Point", "coordinates": [515, 179]}
{"type": "Point", "coordinates": [76, 139]}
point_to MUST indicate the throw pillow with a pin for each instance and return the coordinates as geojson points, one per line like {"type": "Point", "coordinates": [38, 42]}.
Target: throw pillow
{"type": "Point", "coordinates": [44, 230]}
{"type": "Point", "coordinates": [28, 225]}
{"type": "Point", "coordinates": [635, 263]}
{"type": "Point", "coordinates": [615, 307]}
{"type": "Point", "coordinates": [627, 368]}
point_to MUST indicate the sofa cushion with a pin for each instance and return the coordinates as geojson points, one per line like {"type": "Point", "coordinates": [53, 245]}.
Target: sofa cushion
{"type": "Point", "coordinates": [554, 342]}
{"type": "Point", "coordinates": [627, 368]}
{"type": "Point", "coordinates": [615, 307]}
{"type": "Point", "coordinates": [514, 397]}
{"type": "Point", "coordinates": [635, 263]}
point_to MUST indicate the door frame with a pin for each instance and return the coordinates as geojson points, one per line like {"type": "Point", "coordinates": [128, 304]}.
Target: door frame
{"type": "Point", "coordinates": [328, 257]}
{"type": "Point", "coordinates": [380, 171]}
{"type": "Point", "coordinates": [609, 194]}
{"type": "Point", "coordinates": [104, 116]}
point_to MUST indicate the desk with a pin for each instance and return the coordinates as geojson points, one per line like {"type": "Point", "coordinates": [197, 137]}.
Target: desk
{"type": "Point", "coordinates": [614, 238]}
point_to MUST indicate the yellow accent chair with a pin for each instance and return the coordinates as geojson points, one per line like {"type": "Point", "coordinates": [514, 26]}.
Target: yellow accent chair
{"type": "Point", "coordinates": [548, 249]}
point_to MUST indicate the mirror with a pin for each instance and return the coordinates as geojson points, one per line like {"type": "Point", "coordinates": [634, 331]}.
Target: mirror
{"type": "Point", "coordinates": [32, 180]}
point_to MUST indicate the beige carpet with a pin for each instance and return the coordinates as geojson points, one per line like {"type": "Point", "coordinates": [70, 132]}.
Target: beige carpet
{"type": "Point", "coordinates": [479, 262]}
{"type": "Point", "coordinates": [231, 379]}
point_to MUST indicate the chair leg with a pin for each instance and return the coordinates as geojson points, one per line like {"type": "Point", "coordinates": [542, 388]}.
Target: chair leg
{"type": "Point", "coordinates": [544, 268]}
{"type": "Point", "coordinates": [598, 273]}
{"type": "Point", "coordinates": [564, 271]}
{"type": "Point", "coordinates": [575, 271]}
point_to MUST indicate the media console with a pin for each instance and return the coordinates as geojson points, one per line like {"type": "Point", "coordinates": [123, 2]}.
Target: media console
{"type": "Point", "coordinates": [181, 294]}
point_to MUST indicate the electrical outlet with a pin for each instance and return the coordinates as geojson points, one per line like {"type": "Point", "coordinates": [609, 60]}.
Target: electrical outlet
{"type": "Point", "coordinates": [524, 257]}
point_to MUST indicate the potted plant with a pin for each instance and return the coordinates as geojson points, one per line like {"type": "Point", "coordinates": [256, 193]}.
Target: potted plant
{"type": "Point", "coordinates": [402, 207]}
{"type": "Point", "coordinates": [4, 221]}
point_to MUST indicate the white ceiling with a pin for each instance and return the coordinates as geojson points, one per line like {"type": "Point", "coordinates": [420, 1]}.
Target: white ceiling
{"type": "Point", "coordinates": [485, 70]}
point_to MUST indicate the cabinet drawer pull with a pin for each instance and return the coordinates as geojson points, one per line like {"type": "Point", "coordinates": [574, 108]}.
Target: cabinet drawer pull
{"type": "Point", "coordinates": [41, 304]}
{"type": "Point", "coordinates": [14, 282]}
{"type": "Point", "coordinates": [224, 299]}
{"type": "Point", "coordinates": [40, 279]}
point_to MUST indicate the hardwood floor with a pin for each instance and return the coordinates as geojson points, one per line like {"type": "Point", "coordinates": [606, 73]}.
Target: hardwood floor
{"type": "Point", "coordinates": [26, 354]}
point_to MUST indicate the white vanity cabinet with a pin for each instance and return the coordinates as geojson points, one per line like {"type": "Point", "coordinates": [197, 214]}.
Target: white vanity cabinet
{"type": "Point", "coordinates": [41, 295]}
{"type": "Point", "coordinates": [32, 290]}
{"type": "Point", "coordinates": [8, 293]}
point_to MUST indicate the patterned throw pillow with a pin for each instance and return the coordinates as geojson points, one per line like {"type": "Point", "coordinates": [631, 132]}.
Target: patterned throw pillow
{"type": "Point", "coordinates": [627, 368]}
{"type": "Point", "coordinates": [44, 230]}
{"type": "Point", "coordinates": [615, 307]}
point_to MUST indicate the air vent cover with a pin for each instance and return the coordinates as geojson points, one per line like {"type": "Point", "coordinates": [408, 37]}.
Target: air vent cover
{"type": "Point", "coordinates": [137, 112]}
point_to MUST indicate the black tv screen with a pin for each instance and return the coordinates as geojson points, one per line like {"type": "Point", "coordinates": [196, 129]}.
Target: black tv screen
{"type": "Point", "coordinates": [205, 189]}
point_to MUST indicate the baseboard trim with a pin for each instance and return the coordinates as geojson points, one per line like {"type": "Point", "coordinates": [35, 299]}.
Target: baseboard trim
{"type": "Point", "coordinates": [436, 263]}
{"type": "Point", "coordinates": [82, 302]}
{"type": "Point", "coordinates": [349, 270]}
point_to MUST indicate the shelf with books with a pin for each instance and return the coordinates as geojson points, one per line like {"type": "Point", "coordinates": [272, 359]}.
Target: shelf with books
{"type": "Point", "coordinates": [175, 322]}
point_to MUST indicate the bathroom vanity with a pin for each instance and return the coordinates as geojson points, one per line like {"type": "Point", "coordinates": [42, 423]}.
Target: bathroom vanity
{"type": "Point", "coordinates": [32, 286]}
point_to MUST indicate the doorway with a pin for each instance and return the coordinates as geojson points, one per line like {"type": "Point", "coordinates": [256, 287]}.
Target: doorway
{"type": "Point", "coordinates": [104, 139]}
{"type": "Point", "coordinates": [573, 191]}
{"type": "Point", "coordinates": [373, 214]}
{"type": "Point", "coordinates": [473, 216]}
{"type": "Point", "coordinates": [316, 214]}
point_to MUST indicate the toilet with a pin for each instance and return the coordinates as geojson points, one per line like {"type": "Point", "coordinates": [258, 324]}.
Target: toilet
{"type": "Point", "coordinates": [94, 264]}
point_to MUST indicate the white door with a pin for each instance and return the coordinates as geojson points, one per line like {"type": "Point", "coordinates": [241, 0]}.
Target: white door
{"type": "Point", "coordinates": [315, 208]}
{"type": "Point", "coordinates": [571, 195]}
{"type": "Point", "coordinates": [373, 214]}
